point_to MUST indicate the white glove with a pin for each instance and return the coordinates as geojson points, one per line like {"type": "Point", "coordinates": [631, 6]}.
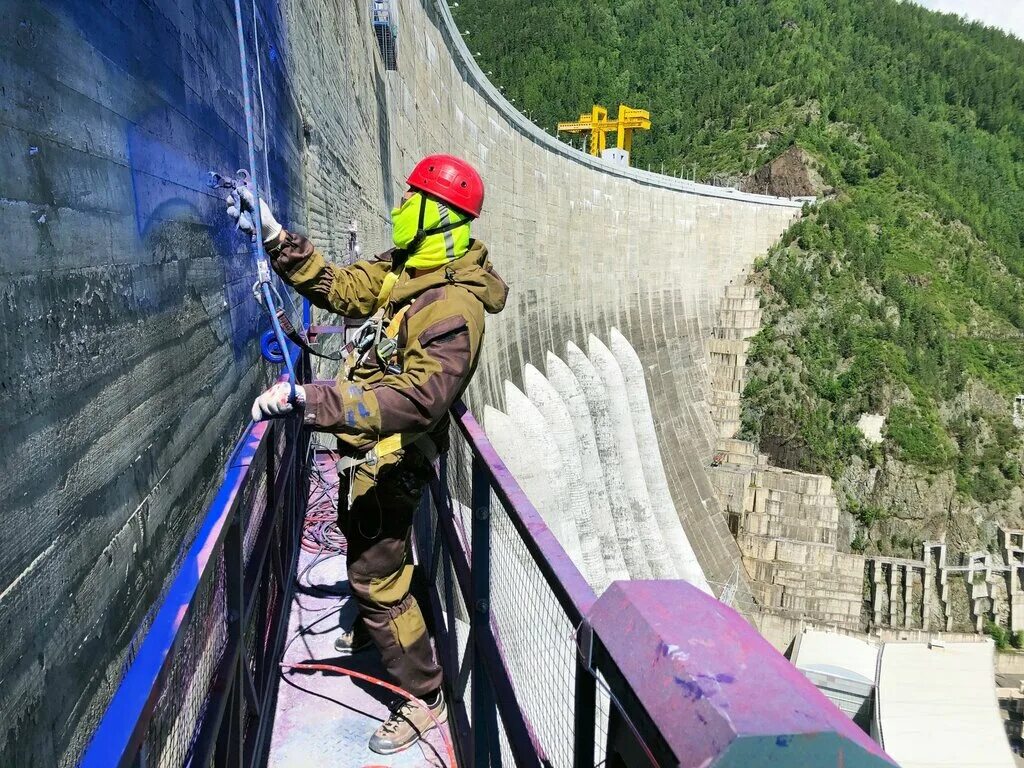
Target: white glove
{"type": "Point", "coordinates": [241, 209]}
{"type": "Point", "coordinates": [274, 402]}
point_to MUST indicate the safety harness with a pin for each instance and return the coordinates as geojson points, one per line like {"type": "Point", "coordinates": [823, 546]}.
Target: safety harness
{"type": "Point", "coordinates": [374, 335]}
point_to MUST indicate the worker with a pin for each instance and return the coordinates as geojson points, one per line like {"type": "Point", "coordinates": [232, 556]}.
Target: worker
{"type": "Point", "coordinates": [426, 300]}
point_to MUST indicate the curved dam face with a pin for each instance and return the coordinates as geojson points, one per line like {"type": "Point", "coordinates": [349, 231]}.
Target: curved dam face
{"type": "Point", "coordinates": [584, 246]}
{"type": "Point", "coordinates": [130, 354]}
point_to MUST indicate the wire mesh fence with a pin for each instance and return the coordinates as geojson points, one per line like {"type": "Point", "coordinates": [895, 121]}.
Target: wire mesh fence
{"type": "Point", "coordinates": [535, 638]}
{"type": "Point", "coordinates": [170, 735]}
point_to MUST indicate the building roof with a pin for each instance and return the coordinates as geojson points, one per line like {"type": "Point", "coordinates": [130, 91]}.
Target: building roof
{"type": "Point", "coordinates": [836, 655]}
{"type": "Point", "coordinates": [936, 706]}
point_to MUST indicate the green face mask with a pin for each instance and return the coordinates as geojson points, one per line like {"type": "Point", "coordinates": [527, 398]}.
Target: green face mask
{"type": "Point", "coordinates": [445, 235]}
{"type": "Point", "coordinates": [405, 221]}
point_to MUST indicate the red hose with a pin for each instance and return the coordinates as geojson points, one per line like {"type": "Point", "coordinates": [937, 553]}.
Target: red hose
{"type": "Point", "coordinates": [320, 533]}
{"type": "Point", "coordinates": [449, 747]}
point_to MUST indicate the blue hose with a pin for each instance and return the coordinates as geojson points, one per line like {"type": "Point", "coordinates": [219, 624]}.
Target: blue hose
{"type": "Point", "coordinates": [282, 342]}
{"type": "Point", "coordinates": [256, 241]}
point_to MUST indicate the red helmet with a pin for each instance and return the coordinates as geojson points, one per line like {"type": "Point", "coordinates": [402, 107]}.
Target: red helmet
{"type": "Point", "coordinates": [451, 180]}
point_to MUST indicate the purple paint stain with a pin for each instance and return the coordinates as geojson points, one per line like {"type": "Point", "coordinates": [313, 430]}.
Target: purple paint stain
{"type": "Point", "coordinates": [721, 677]}
{"type": "Point", "coordinates": [693, 691]}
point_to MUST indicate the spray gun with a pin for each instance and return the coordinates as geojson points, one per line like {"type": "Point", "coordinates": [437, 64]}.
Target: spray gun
{"type": "Point", "coordinates": [273, 344]}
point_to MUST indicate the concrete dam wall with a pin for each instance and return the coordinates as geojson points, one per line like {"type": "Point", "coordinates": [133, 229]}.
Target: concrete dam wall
{"type": "Point", "coordinates": [584, 246]}
{"type": "Point", "coordinates": [128, 359]}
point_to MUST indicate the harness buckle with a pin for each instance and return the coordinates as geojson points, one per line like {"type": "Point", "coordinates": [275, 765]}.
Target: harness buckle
{"type": "Point", "coordinates": [263, 271]}
{"type": "Point", "coordinates": [386, 349]}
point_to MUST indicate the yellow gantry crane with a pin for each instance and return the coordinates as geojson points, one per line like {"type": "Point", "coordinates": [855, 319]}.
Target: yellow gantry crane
{"type": "Point", "coordinates": [598, 126]}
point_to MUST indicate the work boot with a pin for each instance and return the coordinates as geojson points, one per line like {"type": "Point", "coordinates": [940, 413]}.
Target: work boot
{"type": "Point", "coordinates": [408, 722]}
{"type": "Point", "coordinates": [353, 640]}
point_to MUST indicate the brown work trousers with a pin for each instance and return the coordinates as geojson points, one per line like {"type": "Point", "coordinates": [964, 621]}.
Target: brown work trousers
{"type": "Point", "coordinates": [378, 526]}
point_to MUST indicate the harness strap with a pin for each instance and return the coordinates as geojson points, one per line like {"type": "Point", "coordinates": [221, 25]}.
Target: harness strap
{"type": "Point", "coordinates": [396, 322]}
{"type": "Point", "coordinates": [357, 355]}
{"type": "Point", "coordinates": [296, 338]}
{"type": "Point", "coordinates": [388, 285]}
{"type": "Point", "coordinates": [389, 445]}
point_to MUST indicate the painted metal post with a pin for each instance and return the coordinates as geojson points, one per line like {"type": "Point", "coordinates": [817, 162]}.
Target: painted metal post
{"type": "Point", "coordinates": [444, 507]}
{"type": "Point", "coordinates": [230, 738]}
{"type": "Point", "coordinates": [480, 617]}
{"type": "Point", "coordinates": [585, 702]}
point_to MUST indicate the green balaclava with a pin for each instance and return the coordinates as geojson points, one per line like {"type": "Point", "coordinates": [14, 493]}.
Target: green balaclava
{"type": "Point", "coordinates": [432, 233]}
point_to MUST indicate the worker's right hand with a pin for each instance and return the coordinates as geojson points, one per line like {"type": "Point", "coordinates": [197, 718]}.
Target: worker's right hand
{"type": "Point", "coordinates": [276, 402]}
{"type": "Point", "coordinates": [242, 208]}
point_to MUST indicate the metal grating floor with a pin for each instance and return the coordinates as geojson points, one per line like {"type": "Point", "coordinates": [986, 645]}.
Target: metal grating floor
{"type": "Point", "coordinates": [324, 719]}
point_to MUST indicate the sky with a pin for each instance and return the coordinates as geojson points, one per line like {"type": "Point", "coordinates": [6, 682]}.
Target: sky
{"type": "Point", "coordinates": [1006, 14]}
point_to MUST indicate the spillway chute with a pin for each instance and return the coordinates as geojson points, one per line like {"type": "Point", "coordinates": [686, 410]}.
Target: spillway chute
{"type": "Point", "coordinates": [638, 495]}
{"type": "Point", "coordinates": [684, 558]}
{"type": "Point", "coordinates": [611, 462]}
{"type": "Point", "coordinates": [568, 388]}
{"type": "Point", "coordinates": [547, 487]}
{"type": "Point", "coordinates": [560, 428]}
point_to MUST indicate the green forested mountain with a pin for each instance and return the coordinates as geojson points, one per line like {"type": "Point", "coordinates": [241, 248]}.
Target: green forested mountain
{"type": "Point", "coordinates": [902, 291]}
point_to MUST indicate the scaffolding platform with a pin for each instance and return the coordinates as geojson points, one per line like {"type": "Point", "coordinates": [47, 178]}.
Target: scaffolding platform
{"type": "Point", "coordinates": [324, 718]}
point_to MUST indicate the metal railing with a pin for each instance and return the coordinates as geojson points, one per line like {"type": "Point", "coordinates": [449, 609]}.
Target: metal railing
{"type": "Point", "coordinates": [474, 625]}
{"type": "Point", "coordinates": [542, 673]}
{"type": "Point", "coordinates": [510, 609]}
{"type": "Point", "coordinates": [539, 671]}
{"type": "Point", "coordinates": [202, 684]}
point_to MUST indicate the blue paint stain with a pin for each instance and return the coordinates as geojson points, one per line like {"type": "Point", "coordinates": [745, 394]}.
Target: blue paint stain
{"type": "Point", "coordinates": [33, 150]}
{"type": "Point", "coordinates": [783, 741]}
{"type": "Point", "coordinates": [176, 129]}
{"type": "Point", "coordinates": [363, 410]}
{"type": "Point", "coordinates": [721, 677]}
{"type": "Point", "coordinates": [350, 417]}
{"type": "Point", "coordinates": [693, 691]}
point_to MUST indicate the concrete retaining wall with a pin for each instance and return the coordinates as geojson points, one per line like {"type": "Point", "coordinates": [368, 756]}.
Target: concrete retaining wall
{"type": "Point", "coordinates": [127, 353]}
{"type": "Point", "coordinates": [786, 523]}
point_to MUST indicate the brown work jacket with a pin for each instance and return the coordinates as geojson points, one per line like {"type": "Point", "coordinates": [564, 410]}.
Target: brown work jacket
{"type": "Point", "coordinates": [438, 341]}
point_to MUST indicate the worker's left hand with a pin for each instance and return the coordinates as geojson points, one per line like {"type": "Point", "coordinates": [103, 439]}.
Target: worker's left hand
{"type": "Point", "coordinates": [274, 403]}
